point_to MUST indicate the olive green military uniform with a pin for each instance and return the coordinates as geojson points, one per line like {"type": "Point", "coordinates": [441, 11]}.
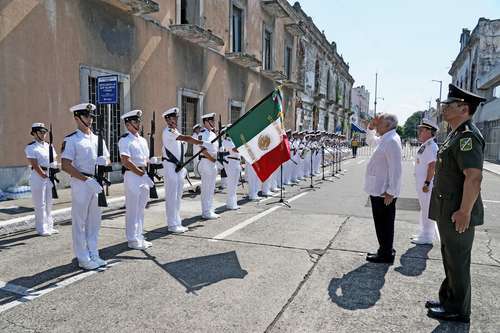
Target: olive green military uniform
{"type": "Point", "coordinates": [462, 149]}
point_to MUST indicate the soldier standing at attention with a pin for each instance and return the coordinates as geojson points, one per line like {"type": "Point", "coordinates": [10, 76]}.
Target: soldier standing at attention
{"type": "Point", "coordinates": [425, 164]}
{"type": "Point", "coordinates": [134, 155]}
{"type": "Point", "coordinates": [79, 160]}
{"type": "Point", "coordinates": [456, 203]}
{"type": "Point", "coordinates": [208, 167]}
{"type": "Point", "coordinates": [37, 153]}
{"type": "Point", "coordinates": [232, 165]}
{"type": "Point", "coordinates": [173, 157]}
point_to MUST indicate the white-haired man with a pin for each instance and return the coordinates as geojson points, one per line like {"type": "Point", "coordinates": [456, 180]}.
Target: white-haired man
{"type": "Point", "coordinates": [383, 182]}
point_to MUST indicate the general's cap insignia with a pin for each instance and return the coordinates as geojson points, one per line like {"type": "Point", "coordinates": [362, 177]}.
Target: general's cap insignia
{"type": "Point", "coordinates": [466, 144]}
{"type": "Point", "coordinates": [264, 142]}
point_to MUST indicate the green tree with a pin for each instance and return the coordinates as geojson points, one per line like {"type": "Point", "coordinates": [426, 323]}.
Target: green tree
{"type": "Point", "coordinates": [400, 131]}
{"type": "Point", "coordinates": [410, 126]}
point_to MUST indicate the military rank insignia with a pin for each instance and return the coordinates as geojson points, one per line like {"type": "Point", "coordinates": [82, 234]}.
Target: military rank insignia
{"type": "Point", "coordinates": [421, 150]}
{"type": "Point", "coordinates": [466, 144]}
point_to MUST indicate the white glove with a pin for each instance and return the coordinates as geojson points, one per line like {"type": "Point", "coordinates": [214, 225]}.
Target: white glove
{"type": "Point", "coordinates": [209, 147]}
{"type": "Point", "coordinates": [93, 185]}
{"type": "Point", "coordinates": [147, 181]}
{"type": "Point", "coordinates": [154, 160]}
{"type": "Point", "coordinates": [53, 165]}
{"type": "Point", "coordinates": [102, 161]}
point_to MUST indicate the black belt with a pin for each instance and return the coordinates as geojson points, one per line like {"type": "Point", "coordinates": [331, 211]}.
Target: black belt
{"type": "Point", "coordinates": [233, 158]}
{"type": "Point", "coordinates": [138, 167]}
{"type": "Point", "coordinates": [87, 174]}
{"type": "Point", "coordinates": [202, 156]}
{"type": "Point", "coordinates": [43, 168]}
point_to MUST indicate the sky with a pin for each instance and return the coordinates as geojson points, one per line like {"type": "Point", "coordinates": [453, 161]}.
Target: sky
{"type": "Point", "coordinates": [408, 43]}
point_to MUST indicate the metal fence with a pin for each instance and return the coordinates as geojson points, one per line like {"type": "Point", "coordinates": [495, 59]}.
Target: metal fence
{"type": "Point", "coordinates": [408, 154]}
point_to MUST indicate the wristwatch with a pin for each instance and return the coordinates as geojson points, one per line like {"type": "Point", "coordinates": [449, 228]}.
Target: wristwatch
{"type": "Point", "coordinates": [427, 183]}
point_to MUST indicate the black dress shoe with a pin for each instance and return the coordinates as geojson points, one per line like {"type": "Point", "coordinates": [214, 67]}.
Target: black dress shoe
{"type": "Point", "coordinates": [432, 304]}
{"type": "Point", "coordinates": [379, 259]}
{"type": "Point", "coordinates": [441, 314]}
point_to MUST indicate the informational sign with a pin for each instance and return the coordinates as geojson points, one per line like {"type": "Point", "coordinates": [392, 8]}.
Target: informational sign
{"type": "Point", "coordinates": [107, 89]}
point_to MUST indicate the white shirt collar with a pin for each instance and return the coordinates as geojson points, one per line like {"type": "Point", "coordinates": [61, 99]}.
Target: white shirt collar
{"type": "Point", "coordinates": [388, 135]}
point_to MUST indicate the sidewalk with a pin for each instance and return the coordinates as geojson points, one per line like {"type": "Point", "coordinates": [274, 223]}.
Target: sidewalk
{"type": "Point", "coordinates": [492, 167]}
{"type": "Point", "coordinates": [18, 214]}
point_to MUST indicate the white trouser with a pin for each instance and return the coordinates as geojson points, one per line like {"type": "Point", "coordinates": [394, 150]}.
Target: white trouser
{"type": "Point", "coordinates": [86, 220]}
{"type": "Point", "coordinates": [286, 173]}
{"type": "Point", "coordinates": [427, 227]}
{"type": "Point", "coordinates": [41, 194]}
{"type": "Point", "coordinates": [295, 168]}
{"type": "Point", "coordinates": [233, 170]}
{"type": "Point", "coordinates": [208, 173]}
{"type": "Point", "coordinates": [307, 165]}
{"type": "Point", "coordinates": [253, 182]}
{"type": "Point", "coordinates": [274, 180]}
{"type": "Point", "coordinates": [136, 198]}
{"type": "Point", "coordinates": [174, 187]}
{"type": "Point", "coordinates": [266, 186]}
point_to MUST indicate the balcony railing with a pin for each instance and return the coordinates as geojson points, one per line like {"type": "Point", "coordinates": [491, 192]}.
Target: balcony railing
{"type": "Point", "coordinates": [274, 75]}
{"type": "Point", "coordinates": [243, 59]}
{"type": "Point", "coordinates": [135, 7]}
{"type": "Point", "coordinates": [276, 8]}
{"type": "Point", "coordinates": [197, 35]}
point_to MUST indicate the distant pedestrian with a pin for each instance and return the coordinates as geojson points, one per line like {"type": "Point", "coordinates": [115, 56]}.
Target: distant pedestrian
{"type": "Point", "coordinates": [383, 183]}
{"type": "Point", "coordinates": [456, 203]}
{"type": "Point", "coordinates": [354, 147]}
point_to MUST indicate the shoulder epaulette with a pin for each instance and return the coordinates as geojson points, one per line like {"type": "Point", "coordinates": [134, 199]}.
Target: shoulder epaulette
{"type": "Point", "coordinates": [466, 129]}
{"type": "Point", "coordinates": [71, 134]}
{"type": "Point", "coordinates": [124, 135]}
{"type": "Point", "coordinates": [32, 142]}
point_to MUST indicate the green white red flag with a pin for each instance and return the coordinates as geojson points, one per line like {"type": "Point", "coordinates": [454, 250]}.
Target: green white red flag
{"type": "Point", "coordinates": [260, 137]}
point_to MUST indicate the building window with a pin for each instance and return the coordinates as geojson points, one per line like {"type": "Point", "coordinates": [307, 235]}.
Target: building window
{"type": "Point", "coordinates": [328, 86]}
{"type": "Point", "coordinates": [237, 29]}
{"type": "Point", "coordinates": [189, 117]}
{"type": "Point", "coordinates": [189, 11]}
{"type": "Point", "coordinates": [288, 62]}
{"type": "Point", "coordinates": [235, 113]}
{"type": "Point", "coordinates": [267, 52]}
{"type": "Point", "coordinates": [316, 77]}
{"type": "Point", "coordinates": [109, 122]}
{"type": "Point", "coordinates": [327, 120]}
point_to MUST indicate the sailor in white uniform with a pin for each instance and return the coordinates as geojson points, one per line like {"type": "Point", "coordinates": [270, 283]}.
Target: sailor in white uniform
{"type": "Point", "coordinates": [231, 160]}
{"type": "Point", "coordinates": [134, 155]}
{"type": "Point", "coordinates": [207, 167]}
{"type": "Point", "coordinates": [37, 153]}
{"type": "Point", "coordinates": [425, 162]}
{"type": "Point", "coordinates": [79, 160]}
{"type": "Point", "coordinates": [173, 158]}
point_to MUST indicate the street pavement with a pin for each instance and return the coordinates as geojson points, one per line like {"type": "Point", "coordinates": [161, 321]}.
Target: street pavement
{"type": "Point", "coordinates": [263, 268]}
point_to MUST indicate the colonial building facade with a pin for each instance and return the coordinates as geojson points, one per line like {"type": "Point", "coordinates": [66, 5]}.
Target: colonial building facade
{"type": "Point", "coordinates": [203, 56]}
{"type": "Point", "coordinates": [325, 101]}
{"type": "Point", "coordinates": [477, 69]}
{"type": "Point", "coordinates": [360, 106]}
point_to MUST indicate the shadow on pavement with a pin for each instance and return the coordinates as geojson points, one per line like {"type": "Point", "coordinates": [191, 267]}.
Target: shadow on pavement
{"type": "Point", "coordinates": [199, 272]}
{"type": "Point", "coordinates": [451, 327]}
{"type": "Point", "coordinates": [360, 288]}
{"type": "Point", "coordinates": [414, 260]}
{"type": "Point", "coordinates": [8, 242]}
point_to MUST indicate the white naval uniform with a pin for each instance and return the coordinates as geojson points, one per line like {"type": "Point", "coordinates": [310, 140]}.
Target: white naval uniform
{"type": "Point", "coordinates": [295, 167]}
{"type": "Point", "coordinates": [233, 170]}
{"type": "Point", "coordinates": [41, 188]}
{"type": "Point", "coordinates": [174, 181]}
{"type": "Point", "coordinates": [81, 149]}
{"type": "Point", "coordinates": [427, 153]}
{"type": "Point", "coordinates": [306, 162]}
{"type": "Point", "coordinates": [253, 181]}
{"type": "Point", "coordinates": [136, 190]}
{"type": "Point", "coordinates": [208, 173]}
{"type": "Point", "coordinates": [196, 149]}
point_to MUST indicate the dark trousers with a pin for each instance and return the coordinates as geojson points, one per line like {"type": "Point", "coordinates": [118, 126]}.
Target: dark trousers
{"type": "Point", "coordinates": [455, 291]}
{"type": "Point", "coordinates": [354, 151]}
{"type": "Point", "coordinates": [384, 224]}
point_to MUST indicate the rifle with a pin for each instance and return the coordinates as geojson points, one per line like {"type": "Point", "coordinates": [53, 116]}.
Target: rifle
{"type": "Point", "coordinates": [52, 171]}
{"type": "Point", "coordinates": [100, 171]}
{"type": "Point", "coordinates": [152, 168]}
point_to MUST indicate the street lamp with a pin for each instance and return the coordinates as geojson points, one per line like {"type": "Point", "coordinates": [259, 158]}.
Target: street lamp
{"type": "Point", "coordinates": [440, 88]}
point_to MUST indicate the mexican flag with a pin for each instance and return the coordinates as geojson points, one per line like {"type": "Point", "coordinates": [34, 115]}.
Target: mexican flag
{"type": "Point", "coordinates": [260, 137]}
